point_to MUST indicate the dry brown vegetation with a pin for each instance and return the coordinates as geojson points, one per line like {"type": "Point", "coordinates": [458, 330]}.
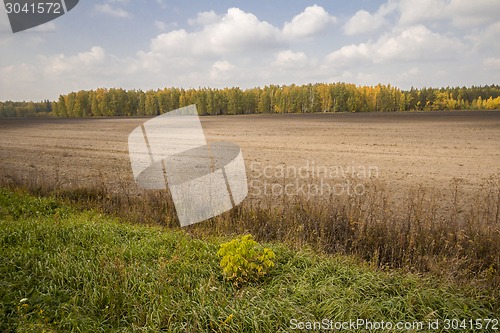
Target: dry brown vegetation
{"type": "Point", "coordinates": [440, 216]}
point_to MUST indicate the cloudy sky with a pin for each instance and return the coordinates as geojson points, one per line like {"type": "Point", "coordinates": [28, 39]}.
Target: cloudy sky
{"type": "Point", "coordinates": [150, 44]}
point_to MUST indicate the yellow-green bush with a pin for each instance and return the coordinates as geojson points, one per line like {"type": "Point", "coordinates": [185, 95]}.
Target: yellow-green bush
{"type": "Point", "coordinates": [244, 260]}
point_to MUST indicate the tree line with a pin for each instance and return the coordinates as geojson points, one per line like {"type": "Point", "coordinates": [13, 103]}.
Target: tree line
{"type": "Point", "coordinates": [321, 97]}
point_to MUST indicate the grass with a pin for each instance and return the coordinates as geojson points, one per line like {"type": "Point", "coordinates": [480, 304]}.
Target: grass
{"type": "Point", "coordinates": [64, 269]}
{"type": "Point", "coordinates": [451, 232]}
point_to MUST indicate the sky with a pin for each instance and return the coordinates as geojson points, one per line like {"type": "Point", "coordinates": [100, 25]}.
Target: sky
{"type": "Point", "coordinates": [151, 44]}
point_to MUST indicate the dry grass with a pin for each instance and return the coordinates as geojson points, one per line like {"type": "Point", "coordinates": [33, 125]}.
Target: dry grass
{"type": "Point", "coordinates": [443, 231]}
{"type": "Point", "coordinates": [64, 270]}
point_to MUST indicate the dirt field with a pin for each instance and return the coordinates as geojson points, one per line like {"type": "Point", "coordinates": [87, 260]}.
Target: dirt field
{"type": "Point", "coordinates": [401, 149]}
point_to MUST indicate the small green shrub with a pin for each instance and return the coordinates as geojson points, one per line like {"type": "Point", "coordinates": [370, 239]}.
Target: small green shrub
{"type": "Point", "coordinates": [244, 260]}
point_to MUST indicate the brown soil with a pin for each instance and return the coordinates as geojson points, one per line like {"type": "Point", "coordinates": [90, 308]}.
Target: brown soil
{"type": "Point", "coordinates": [407, 149]}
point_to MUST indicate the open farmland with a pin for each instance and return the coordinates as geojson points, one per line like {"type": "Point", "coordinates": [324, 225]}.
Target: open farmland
{"type": "Point", "coordinates": [429, 198]}
{"type": "Point", "coordinates": [403, 149]}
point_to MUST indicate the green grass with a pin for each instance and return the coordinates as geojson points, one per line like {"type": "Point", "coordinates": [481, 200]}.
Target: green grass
{"type": "Point", "coordinates": [84, 271]}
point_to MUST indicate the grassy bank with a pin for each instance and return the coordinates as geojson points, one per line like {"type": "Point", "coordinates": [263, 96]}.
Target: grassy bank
{"type": "Point", "coordinates": [449, 232]}
{"type": "Point", "coordinates": [64, 269]}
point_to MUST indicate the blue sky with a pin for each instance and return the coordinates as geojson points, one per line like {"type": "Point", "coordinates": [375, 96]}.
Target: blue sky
{"type": "Point", "coordinates": [139, 44]}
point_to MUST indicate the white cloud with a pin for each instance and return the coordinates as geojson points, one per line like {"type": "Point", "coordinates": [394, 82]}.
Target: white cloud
{"type": "Point", "coordinates": [46, 27]}
{"type": "Point", "coordinates": [236, 32]}
{"type": "Point", "coordinates": [311, 21]}
{"type": "Point", "coordinates": [175, 43]}
{"type": "Point", "coordinates": [108, 9]}
{"type": "Point", "coordinates": [82, 62]}
{"type": "Point", "coordinates": [94, 56]}
{"type": "Point", "coordinates": [221, 71]}
{"type": "Point", "coordinates": [461, 13]}
{"type": "Point", "coordinates": [290, 60]}
{"type": "Point", "coordinates": [232, 48]}
{"type": "Point", "coordinates": [408, 75]}
{"type": "Point", "coordinates": [21, 72]}
{"type": "Point", "coordinates": [417, 42]}
{"type": "Point", "coordinates": [410, 44]}
{"type": "Point", "coordinates": [349, 54]}
{"type": "Point", "coordinates": [61, 73]}
{"type": "Point", "coordinates": [414, 12]}
{"type": "Point", "coordinates": [412, 72]}
{"type": "Point", "coordinates": [239, 31]}
{"type": "Point", "coordinates": [205, 18]}
{"type": "Point", "coordinates": [492, 62]}
{"type": "Point", "coordinates": [474, 13]}
{"type": "Point", "coordinates": [5, 29]}
{"type": "Point", "coordinates": [486, 38]}
{"type": "Point", "coordinates": [363, 22]}
{"type": "Point", "coordinates": [162, 26]}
